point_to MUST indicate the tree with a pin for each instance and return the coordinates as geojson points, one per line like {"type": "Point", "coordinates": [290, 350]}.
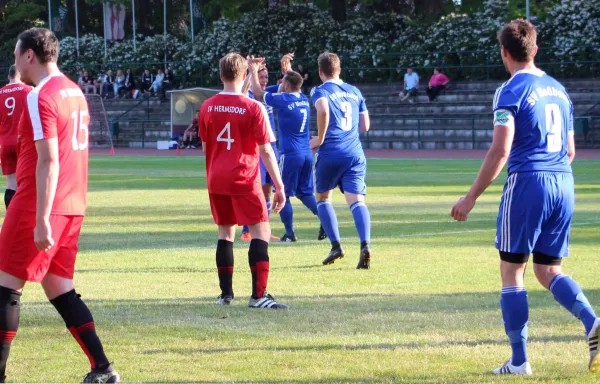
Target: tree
{"type": "Point", "coordinates": [338, 10]}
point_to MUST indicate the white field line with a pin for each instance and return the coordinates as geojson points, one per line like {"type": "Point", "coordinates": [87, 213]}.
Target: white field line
{"type": "Point", "coordinates": [240, 244]}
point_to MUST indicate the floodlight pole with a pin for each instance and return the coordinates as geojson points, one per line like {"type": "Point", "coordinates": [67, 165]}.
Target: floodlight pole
{"type": "Point", "coordinates": [527, 9]}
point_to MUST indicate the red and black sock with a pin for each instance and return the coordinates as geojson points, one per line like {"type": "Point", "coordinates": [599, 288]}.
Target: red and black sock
{"type": "Point", "coordinates": [258, 257]}
{"type": "Point", "coordinates": [225, 266]}
{"type": "Point", "coordinates": [80, 323]}
{"type": "Point", "coordinates": [10, 307]}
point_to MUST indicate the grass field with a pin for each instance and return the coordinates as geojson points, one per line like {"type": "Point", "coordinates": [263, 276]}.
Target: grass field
{"type": "Point", "coordinates": [427, 311]}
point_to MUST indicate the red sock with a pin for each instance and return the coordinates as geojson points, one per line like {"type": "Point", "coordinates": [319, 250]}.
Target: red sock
{"type": "Point", "coordinates": [262, 277]}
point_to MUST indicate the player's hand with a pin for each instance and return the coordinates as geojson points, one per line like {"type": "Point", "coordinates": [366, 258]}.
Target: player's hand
{"type": "Point", "coordinates": [462, 208]}
{"type": "Point", "coordinates": [286, 62]}
{"type": "Point", "coordinates": [314, 142]}
{"type": "Point", "coordinates": [278, 200]}
{"type": "Point", "coordinates": [42, 236]}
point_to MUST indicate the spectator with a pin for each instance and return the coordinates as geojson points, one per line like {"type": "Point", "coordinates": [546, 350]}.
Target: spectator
{"type": "Point", "coordinates": [99, 81]}
{"type": "Point", "coordinates": [87, 84]}
{"type": "Point", "coordinates": [108, 83]}
{"type": "Point", "coordinates": [168, 82]}
{"type": "Point", "coordinates": [306, 80]}
{"type": "Point", "coordinates": [80, 79]}
{"type": "Point", "coordinates": [119, 83]}
{"type": "Point", "coordinates": [437, 84]}
{"type": "Point", "coordinates": [157, 84]}
{"type": "Point", "coordinates": [411, 85]}
{"type": "Point", "coordinates": [190, 136]}
{"type": "Point", "coordinates": [129, 86]}
{"type": "Point", "coordinates": [147, 80]}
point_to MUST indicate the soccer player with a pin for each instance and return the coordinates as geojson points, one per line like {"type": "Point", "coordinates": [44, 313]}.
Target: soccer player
{"type": "Point", "coordinates": [296, 158]}
{"type": "Point", "coordinates": [266, 179]}
{"type": "Point", "coordinates": [13, 98]}
{"type": "Point", "coordinates": [533, 130]}
{"type": "Point", "coordinates": [341, 113]}
{"type": "Point", "coordinates": [234, 130]}
{"type": "Point", "coordinates": [39, 236]}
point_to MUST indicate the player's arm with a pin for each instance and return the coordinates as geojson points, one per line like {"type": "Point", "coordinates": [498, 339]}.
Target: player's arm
{"type": "Point", "coordinates": [322, 107]}
{"type": "Point", "coordinates": [571, 136]}
{"type": "Point", "coordinates": [254, 83]}
{"type": "Point", "coordinates": [490, 169]}
{"type": "Point", "coordinates": [247, 84]}
{"type": "Point", "coordinates": [46, 177]}
{"type": "Point", "coordinates": [364, 121]}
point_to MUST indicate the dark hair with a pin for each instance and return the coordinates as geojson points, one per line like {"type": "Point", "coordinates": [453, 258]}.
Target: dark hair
{"type": "Point", "coordinates": [42, 42]}
{"type": "Point", "coordinates": [12, 71]}
{"type": "Point", "coordinates": [294, 79]}
{"type": "Point", "coordinates": [519, 38]}
{"type": "Point", "coordinates": [329, 64]}
{"type": "Point", "coordinates": [438, 69]}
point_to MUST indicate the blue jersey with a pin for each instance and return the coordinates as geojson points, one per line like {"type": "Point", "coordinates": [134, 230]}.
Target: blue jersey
{"type": "Point", "coordinates": [293, 117]}
{"type": "Point", "coordinates": [269, 112]}
{"type": "Point", "coordinates": [539, 109]}
{"type": "Point", "coordinates": [345, 104]}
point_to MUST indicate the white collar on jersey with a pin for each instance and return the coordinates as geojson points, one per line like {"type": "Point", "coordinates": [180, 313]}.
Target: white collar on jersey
{"type": "Point", "coordinates": [535, 71]}
{"type": "Point", "coordinates": [297, 94]}
{"type": "Point", "coordinates": [230, 93]}
{"type": "Point", "coordinates": [335, 81]}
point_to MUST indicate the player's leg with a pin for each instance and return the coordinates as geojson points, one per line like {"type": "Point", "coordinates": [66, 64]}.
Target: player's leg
{"type": "Point", "coordinates": [355, 189]}
{"type": "Point", "coordinates": [327, 175]}
{"type": "Point", "coordinates": [224, 215]}
{"type": "Point", "coordinates": [8, 159]}
{"type": "Point", "coordinates": [515, 312]}
{"type": "Point", "coordinates": [305, 190]}
{"type": "Point", "coordinates": [551, 247]}
{"type": "Point", "coordinates": [290, 172]}
{"type": "Point", "coordinates": [251, 208]}
{"type": "Point", "coordinates": [225, 263]}
{"type": "Point", "coordinates": [10, 309]}
{"type": "Point", "coordinates": [60, 291]}
{"type": "Point", "coordinates": [518, 227]}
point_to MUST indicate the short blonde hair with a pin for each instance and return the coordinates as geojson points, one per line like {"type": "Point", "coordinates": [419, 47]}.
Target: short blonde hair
{"type": "Point", "coordinates": [329, 64]}
{"type": "Point", "coordinates": [232, 67]}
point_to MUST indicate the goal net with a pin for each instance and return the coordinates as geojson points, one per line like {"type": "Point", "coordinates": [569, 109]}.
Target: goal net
{"type": "Point", "coordinates": [185, 104]}
{"type": "Point", "coordinates": [99, 131]}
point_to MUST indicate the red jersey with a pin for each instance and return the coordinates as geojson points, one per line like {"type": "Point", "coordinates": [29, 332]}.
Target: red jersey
{"type": "Point", "coordinates": [56, 108]}
{"type": "Point", "coordinates": [13, 98]}
{"type": "Point", "coordinates": [233, 126]}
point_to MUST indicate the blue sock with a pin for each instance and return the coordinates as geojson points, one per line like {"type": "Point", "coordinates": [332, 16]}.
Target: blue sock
{"type": "Point", "coordinates": [245, 229]}
{"type": "Point", "coordinates": [287, 217]}
{"type": "Point", "coordinates": [328, 220]}
{"type": "Point", "coordinates": [515, 312]}
{"type": "Point", "coordinates": [362, 220]}
{"type": "Point", "coordinates": [309, 202]}
{"type": "Point", "coordinates": [567, 292]}
{"type": "Point", "coordinates": [268, 207]}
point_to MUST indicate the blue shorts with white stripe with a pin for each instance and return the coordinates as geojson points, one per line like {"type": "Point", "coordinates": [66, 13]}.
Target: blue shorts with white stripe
{"type": "Point", "coordinates": [535, 213]}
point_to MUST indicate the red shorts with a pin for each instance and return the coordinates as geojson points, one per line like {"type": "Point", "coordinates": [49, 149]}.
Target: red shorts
{"type": "Point", "coordinates": [8, 157]}
{"type": "Point", "coordinates": [243, 209]}
{"type": "Point", "coordinates": [19, 256]}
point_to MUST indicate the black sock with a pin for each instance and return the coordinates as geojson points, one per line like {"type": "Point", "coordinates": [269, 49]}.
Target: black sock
{"type": "Point", "coordinates": [80, 323]}
{"type": "Point", "coordinates": [225, 266]}
{"type": "Point", "coordinates": [364, 244]}
{"type": "Point", "coordinates": [8, 195]}
{"type": "Point", "coordinates": [258, 255]}
{"type": "Point", "coordinates": [10, 307]}
{"type": "Point", "coordinates": [335, 245]}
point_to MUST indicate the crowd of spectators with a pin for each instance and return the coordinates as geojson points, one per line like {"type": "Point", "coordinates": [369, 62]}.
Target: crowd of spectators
{"type": "Point", "coordinates": [124, 85]}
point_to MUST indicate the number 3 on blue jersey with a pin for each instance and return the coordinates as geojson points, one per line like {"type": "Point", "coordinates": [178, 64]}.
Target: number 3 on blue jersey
{"type": "Point", "coordinates": [346, 108]}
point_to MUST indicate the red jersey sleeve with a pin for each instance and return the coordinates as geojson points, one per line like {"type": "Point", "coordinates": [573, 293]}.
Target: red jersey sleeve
{"type": "Point", "coordinates": [260, 129]}
{"type": "Point", "coordinates": [42, 112]}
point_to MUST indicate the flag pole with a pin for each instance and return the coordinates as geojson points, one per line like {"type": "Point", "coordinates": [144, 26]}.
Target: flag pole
{"type": "Point", "coordinates": [134, 38]}
{"type": "Point", "coordinates": [77, 25]}
{"type": "Point", "coordinates": [50, 14]}
{"type": "Point", "coordinates": [104, 13]}
{"type": "Point", "coordinates": [192, 18]}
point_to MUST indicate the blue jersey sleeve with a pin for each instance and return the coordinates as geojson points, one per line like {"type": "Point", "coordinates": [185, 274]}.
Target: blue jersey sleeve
{"type": "Point", "coordinates": [506, 99]}
{"type": "Point", "coordinates": [317, 93]}
{"type": "Point", "coordinates": [362, 105]}
{"type": "Point", "coordinates": [276, 100]}
{"type": "Point", "coordinates": [272, 88]}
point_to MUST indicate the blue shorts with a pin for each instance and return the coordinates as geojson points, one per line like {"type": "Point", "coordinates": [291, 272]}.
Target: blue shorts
{"type": "Point", "coordinates": [265, 178]}
{"type": "Point", "coordinates": [348, 173]}
{"type": "Point", "coordinates": [535, 213]}
{"type": "Point", "coordinates": [296, 172]}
